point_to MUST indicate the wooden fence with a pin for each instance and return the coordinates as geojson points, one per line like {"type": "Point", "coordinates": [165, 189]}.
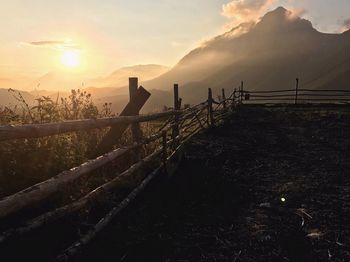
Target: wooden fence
{"type": "Point", "coordinates": [294, 96]}
{"type": "Point", "coordinates": [178, 125]}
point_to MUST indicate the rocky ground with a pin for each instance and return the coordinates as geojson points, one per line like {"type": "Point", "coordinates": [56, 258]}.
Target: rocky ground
{"type": "Point", "coordinates": [270, 184]}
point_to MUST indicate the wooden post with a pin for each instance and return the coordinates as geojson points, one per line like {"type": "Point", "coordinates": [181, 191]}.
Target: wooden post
{"type": "Point", "coordinates": [223, 98]}
{"type": "Point", "coordinates": [296, 91]}
{"type": "Point", "coordinates": [176, 118]}
{"type": "Point", "coordinates": [180, 103]}
{"type": "Point", "coordinates": [234, 98]}
{"type": "Point", "coordinates": [164, 147]}
{"type": "Point", "coordinates": [116, 132]}
{"type": "Point", "coordinates": [135, 127]}
{"type": "Point", "coordinates": [210, 107]}
{"type": "Point", "coordinates": [241, 93]}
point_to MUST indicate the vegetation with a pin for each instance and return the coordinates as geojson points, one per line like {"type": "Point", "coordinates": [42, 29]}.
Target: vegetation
{"type": "Point", "coordinates": [25, 162]}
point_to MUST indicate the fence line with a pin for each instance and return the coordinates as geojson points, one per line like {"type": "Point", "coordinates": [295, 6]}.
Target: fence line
{"type": "Point", "coordinates": [49, 129]}
{"type": "Point", "coordinates": [179, 125]}
{"type": "Point", "coordinates": [295, 95]}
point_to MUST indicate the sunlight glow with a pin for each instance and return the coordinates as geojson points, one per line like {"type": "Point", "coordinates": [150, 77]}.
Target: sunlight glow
{"type": "Point", "coordinates": [70, 58]}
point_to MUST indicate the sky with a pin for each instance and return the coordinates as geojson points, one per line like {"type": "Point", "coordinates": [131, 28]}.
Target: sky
{"type": "Point", "coordinates": [41, 36]}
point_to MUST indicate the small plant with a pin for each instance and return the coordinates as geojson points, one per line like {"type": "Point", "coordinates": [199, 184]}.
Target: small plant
{"type": "Point", "coordinates": [27, 161]}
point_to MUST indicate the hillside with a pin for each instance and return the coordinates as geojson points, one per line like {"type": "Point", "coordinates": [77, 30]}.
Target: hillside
{"type": "Point", "coordinates": [119, 78]}
{"type": "Point", "coordinates": [7, 98]}
{"type": "Point", "coordinates": [267, 55]}
{"type": "Point", "coordinates": [112, 88]}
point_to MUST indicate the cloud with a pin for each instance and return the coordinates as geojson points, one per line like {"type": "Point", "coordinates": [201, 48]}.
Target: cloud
{"type": "Point", "coordinates": [294, 13]}
{"type": "Point", "coordinates": [47, 43]}
{"type": "Point", "coordinates": [55, 44]}
{"type": "Point", "coordinates": [346, 24]}
{"type": "Point", "coordinates": [246, 10]}
{"type": "Point", "coordinates": [239, 30]}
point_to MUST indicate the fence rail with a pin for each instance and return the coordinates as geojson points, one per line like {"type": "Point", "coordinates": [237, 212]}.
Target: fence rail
{"type": "Point", "coordinates": [296, 95]}
{"type": "Point", "coordinates": [49, 129]}
{"type": "Point", "coordinates": [178, 126]}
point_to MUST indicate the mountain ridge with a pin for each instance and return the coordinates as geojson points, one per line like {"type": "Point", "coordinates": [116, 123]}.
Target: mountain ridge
{"type": "Point", "coordinates": [268, 54]}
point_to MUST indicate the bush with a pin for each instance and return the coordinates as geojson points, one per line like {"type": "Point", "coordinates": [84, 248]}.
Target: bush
{"type": "Point", "coordinates": [24, 162]}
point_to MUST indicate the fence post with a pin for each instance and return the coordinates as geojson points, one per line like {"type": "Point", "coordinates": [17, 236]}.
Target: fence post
{"type": "Point", "coordinates": [234, 98]}
{"type": "Point", "coordinates": [210, 107]}
{"type": "Point", "coordinates": [164, 147]}
{"type": "Point", "coordinates": [135, 127]}
{"type": "Point", "coordinates": [223, 98]}
{"type": "Point", "coordinates": [296, 91]}
{"type": "Point", "coordinates": [176, 118]}
{"type": "Point", "coordinates": [241, 92]}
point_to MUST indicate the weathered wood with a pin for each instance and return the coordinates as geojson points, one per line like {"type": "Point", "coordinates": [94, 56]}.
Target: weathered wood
{"type": "Point", "coordinates": [90, 198]}
{"type": "Point", "coordinates": [210, 107]}
{"type": "Point", "coordinates": [171, 165]}
{"type": "Point", "coordinates": [296, 90]}
{"type": "Point", "coordinates": [234, 98]}
{"type": "Point", "coordinates": [37, 193]}
{"type": "Point", "coordinates": [193, 119]}
{"type": "Point", "coordinates": [176, 107]}
{"type": "Point", "coordinates": [223, 98]}
{"type": "Point", "coordinates": [180, 103]}
{"type": "Point", "coordinates": [75, 248]}
{"type": "Point", "coordinates": [135, 127]}
{"type": "Point", "coordinates": [241, 92]}
{"type": "Point", "coordinates": [133, 107]}
{"type": "Point", "coordinates": [164, 146]}
{"type": "Point", "coordinates": [42, 130]}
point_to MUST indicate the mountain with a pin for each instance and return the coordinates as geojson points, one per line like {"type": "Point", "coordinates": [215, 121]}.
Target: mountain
{"type": "Point", "coordinates": [63, 80]}
{"type": "Point", "coordinates": [156, 102]}
{"type": "Point", "coordinates": [119, 78]}
{"type": "Point", "coordinates": [7, 98]}
{"type": "Point", "coordinates": [268, 54]}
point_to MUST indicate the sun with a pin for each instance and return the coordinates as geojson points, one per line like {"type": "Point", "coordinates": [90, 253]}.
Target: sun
{"type": "Point", "coordinates": [70, 58]}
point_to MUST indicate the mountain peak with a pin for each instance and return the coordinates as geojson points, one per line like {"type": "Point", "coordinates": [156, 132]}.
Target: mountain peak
{"type": "Point", "coordinates": [282, 19]}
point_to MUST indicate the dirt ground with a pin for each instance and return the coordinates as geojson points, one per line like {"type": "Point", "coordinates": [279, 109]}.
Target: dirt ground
{"type": "Point", "coordinates": [271, 184]}
{"type": "Point", "coordinates": [268, 185]}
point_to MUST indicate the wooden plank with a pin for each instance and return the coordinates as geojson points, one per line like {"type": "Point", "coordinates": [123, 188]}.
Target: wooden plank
{"type": "Point", "coordinates": [296, 90]}
{"type": "Point", "coordinates": [42, 130]}
{"type": "Point", "coordinates": [210, 108]}
{"type": "Point", "coordinates": [171, 166]}
{"type": "Point", "coordinates": [133, 107]}
{"type": "Point", "coordinates": [90, 198]}
{"type": "Point", "coordinates": [223, 98]}
{"type": "Point", "coordinates": [85, 239]}
{"type": "Point", "coordinates": [41, 191]}
{"type": "Point", "coordinates": [176, 107]}
{"type": "Point", "coordinates": [135, 127]}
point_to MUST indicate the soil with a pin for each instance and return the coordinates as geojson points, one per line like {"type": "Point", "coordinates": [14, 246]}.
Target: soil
{"type": "Point", "coordinates": [270, 184]}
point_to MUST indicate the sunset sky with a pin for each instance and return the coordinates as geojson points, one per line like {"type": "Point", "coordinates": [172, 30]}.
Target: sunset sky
{"type": "Point", "coordinates": [40, 36]}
